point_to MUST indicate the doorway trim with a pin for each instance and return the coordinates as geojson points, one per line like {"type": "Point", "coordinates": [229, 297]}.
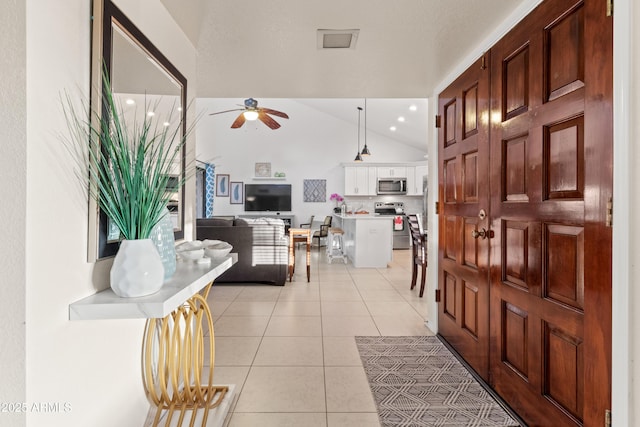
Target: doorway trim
{"type": "Point", "coordinates": [622, 338]}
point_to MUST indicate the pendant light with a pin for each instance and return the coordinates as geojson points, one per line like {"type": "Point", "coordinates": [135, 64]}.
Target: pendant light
{"type": "Point", "coordinates": [358, 156]}
{"type": "Point", "coordinates": [365, 150]}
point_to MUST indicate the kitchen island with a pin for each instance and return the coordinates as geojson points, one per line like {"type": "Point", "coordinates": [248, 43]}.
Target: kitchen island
{"type": "Point", "coordinates": [368, 239]}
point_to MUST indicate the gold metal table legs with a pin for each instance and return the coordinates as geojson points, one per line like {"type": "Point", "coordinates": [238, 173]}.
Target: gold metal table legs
{"type": "Point", "coordinates": [175, 350]}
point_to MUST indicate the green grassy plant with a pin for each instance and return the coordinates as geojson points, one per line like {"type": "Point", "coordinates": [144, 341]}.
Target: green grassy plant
{"type": "Point", "coordinates": [126, 166]}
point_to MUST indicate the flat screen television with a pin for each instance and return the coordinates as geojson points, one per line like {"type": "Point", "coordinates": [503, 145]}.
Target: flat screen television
{"type": "Point", "coordinates": [267, 197]}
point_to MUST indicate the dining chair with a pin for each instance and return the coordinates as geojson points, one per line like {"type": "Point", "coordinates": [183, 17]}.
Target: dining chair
{"type": "Point", "coordinates": [419, 251]}
{"type": "Point", "coordinates": [308, 224]}
{"type": "Point", "coordinates": [324, 230]}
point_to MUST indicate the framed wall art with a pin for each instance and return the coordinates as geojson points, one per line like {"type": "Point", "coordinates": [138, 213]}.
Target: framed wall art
{"type": "Point", "coordinates": [222, 185]}
{"type": "Point", "coordinates": [263, 170]}
{"type": "Point", "coordinates": [315, 190]}
{"type": "Point", "coordinates": [237, 193]}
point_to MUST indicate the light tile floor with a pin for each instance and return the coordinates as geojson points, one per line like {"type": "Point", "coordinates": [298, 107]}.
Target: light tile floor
{"type": "Point", "coordinates": [290, 349]}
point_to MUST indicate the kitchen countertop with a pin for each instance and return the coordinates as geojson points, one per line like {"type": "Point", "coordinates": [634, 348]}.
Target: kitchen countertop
{"type": "Point", "coordinates": [363, 216]}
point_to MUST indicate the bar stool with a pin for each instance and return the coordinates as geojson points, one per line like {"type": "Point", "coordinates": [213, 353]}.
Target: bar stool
{"type": "Point", "coordinates": [335, 245]}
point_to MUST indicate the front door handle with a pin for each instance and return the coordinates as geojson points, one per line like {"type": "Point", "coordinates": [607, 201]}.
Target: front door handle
{"type": "Point", "coordinates": [483, 233]}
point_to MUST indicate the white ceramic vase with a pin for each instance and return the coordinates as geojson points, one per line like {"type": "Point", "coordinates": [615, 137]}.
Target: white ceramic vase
{"type": "Point", "coordinates": [137, 269]}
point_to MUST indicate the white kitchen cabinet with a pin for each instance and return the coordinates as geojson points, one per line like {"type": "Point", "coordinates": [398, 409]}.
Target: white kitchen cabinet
{"type": "Point", "coordinates": [368, 239]}
{"type": "Point", "coordinates": [372, 187]}
{"type": "Point", "coordinates": [411, 181]}
{"type": "Point", "coordinates": [420, 174]}
{"type": "Point", "coordinates": [362, 180]}
{"type": "Point", "coordinates": [356, 181]}
{"type": "Point", "coordinates": [415, 180]}
{"type": "Point", "coordinates": [392, 171]}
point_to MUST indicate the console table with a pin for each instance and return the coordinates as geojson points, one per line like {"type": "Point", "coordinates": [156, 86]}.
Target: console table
{"type": "Point", "coordinates": [177, 337]}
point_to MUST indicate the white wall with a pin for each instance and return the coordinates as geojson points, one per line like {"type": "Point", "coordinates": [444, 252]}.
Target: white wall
{"type": "Point", "coordinates": [93, 366]}
{"type": "Point", "coordinates": [309, 145]}
{"type": "Point", "coordinates": [13, 150]}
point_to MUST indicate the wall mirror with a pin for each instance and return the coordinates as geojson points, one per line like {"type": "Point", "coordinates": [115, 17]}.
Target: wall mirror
{"type": "Point", "coordinates": [143, 82]}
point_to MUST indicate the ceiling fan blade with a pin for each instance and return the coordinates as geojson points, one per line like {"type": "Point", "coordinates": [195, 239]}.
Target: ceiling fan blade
{"type": "Point", "coordinates": [264, 118]}
{"type": "Point", "coordinates": [275, 112]}
{"type": "Point", "coordinates": [238, 122]}
{"type": "Point", "coordinates": [226, 111]}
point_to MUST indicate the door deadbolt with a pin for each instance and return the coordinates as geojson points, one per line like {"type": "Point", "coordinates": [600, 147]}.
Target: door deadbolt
{"type": "Point", "coordinates": [482, 214]}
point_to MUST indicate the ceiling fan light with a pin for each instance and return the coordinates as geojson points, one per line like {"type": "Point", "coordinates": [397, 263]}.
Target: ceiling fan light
{"type": "Point", "coordinates": [250, 115]}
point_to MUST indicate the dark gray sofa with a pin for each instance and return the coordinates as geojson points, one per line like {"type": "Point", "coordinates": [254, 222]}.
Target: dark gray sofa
{"type": "Point", "coordinates": [261, 246]}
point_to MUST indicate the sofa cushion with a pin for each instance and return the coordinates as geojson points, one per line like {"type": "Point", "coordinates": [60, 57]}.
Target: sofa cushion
{"type": "Point", "coordinates": [239, 222]}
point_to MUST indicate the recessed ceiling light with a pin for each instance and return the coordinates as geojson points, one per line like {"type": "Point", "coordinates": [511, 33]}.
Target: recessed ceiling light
{"type": "Point", "coordinates": [179, 108]}
{"type": "Point", "coordinates": [130, 101]}
{"type": "Point", "coordinates": [392, 128]}
{"type": "Point", "coordinates": [151, 114]}
{"type": "Point", "coordinates": [401, 119]}
{"type": "Point", "coordinates": [413, 107]}
{"type": "Point", "coordinates": [165, 124]}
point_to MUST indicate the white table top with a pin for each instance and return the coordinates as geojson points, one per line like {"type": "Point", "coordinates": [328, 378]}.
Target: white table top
{"type": "Point", "coordinates": [188, 280]}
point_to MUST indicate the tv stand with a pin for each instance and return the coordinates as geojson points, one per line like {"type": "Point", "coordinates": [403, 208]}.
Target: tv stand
{"type": "Point", "coordinates": [288, 219]}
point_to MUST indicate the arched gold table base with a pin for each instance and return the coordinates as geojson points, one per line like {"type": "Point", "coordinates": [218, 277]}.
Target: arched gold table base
{"type": "Point", "coordinates": [173, 365]}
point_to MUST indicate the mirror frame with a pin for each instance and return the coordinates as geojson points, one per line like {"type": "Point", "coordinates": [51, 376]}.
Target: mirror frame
{"type": "Point", "coordinates": [105, 16]}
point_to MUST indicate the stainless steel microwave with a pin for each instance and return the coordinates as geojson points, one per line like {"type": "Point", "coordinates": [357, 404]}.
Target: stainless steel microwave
{"type": "Point", "coordinates": [392, 186]}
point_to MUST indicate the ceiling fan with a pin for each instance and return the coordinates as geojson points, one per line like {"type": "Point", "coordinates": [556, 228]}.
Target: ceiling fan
{"type": "Point", "coordinates": [252, 112]}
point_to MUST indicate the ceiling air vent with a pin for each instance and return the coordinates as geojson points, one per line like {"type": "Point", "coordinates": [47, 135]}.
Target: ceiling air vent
{"type": "Point", "coordinates": [337, 39]}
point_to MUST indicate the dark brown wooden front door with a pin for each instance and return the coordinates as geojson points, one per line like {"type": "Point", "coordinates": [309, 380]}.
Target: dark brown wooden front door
{"type": "Point", "coordinates": [551, 174]}
{"type": "Point", "coordinates": [463, 317]}
{"type": "Point", "coordinates": [550, 167]}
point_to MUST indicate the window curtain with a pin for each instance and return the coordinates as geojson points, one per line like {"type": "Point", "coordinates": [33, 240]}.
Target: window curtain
{"type": "Point", "coordinates": [210, 185]}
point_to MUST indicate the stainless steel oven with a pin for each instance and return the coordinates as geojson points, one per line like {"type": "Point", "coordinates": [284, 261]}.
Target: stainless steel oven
{"type": "Point", "coordinates": [401, 238]}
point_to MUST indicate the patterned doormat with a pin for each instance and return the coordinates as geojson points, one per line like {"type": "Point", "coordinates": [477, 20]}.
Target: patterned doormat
{"type": "Point", "coordinates": [417, 381]}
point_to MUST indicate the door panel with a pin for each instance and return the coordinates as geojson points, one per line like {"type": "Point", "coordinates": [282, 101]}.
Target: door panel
{"type": "Point", "coordinates": [470, 245]}
{"type": "Point", "coordinates": [464, 312]}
